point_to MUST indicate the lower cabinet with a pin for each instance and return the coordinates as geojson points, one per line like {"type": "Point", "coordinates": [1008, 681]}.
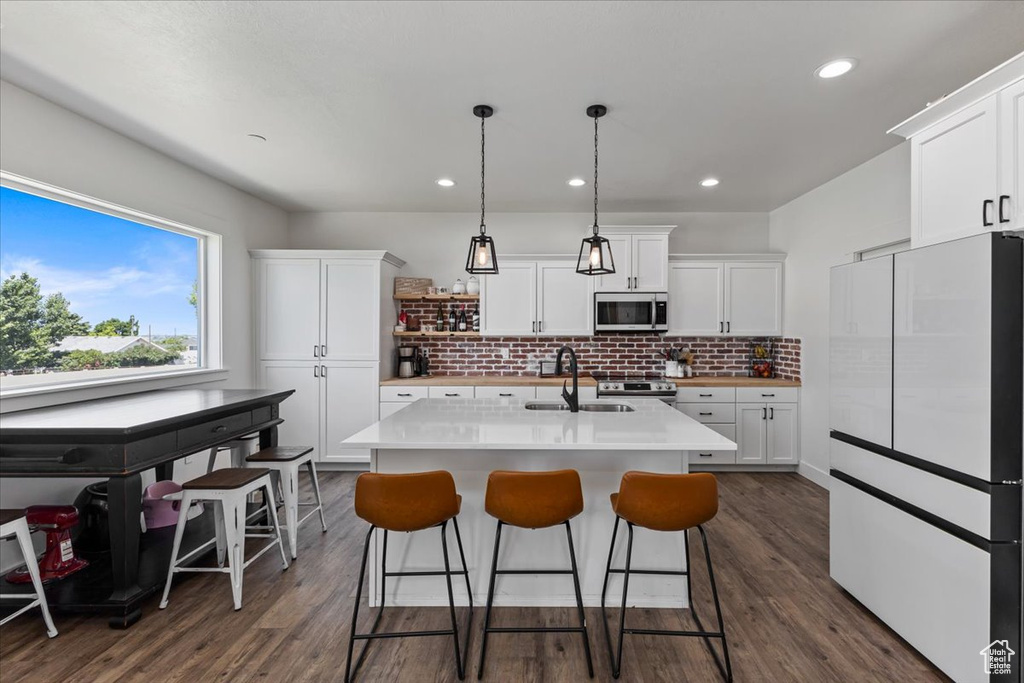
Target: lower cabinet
{"type": "Point", "coordinates": [716, 457]}
{"type": "Point", "coordinates": [767, 433]}
{"type": "Point", "coordinates": [332, 401]}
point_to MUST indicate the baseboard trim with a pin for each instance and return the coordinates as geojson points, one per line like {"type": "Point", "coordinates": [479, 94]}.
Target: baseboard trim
{"type": "Point", "coordinates": [815, 475]}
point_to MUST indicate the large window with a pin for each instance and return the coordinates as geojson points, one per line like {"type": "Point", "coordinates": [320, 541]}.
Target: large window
{"type": "Point", "coordinates": [90, 292]}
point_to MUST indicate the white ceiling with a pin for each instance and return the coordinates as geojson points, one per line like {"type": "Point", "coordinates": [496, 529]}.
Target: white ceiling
{"type": "Point", "coordinates": [365, 104]}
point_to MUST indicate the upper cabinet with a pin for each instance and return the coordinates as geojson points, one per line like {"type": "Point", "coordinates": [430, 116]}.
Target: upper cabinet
{"type": "Point", "coordinates": [641, 259]}
{"type": "Point", "coordinates": [966, 156]}
{"type": "Point", "coordinates": [288, 308]}
{"type": "Point", "coordinates": [537, 297]}
{"type": "Point", "coordinates": [712, 298]}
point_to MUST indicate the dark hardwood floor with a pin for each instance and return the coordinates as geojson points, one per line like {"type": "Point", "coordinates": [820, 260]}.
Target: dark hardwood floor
{"type": "Point", "coordinates": [785, 619]}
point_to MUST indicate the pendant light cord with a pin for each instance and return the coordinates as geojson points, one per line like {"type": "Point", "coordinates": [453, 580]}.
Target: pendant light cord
{"type": "Point", "coordinates": [482, 175]}
{"type": "Point", "coordinates": [595, 175]}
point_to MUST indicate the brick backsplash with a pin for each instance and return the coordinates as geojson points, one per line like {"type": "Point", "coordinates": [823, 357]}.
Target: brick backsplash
{"type": "Point", "coordinates": [612, 353]}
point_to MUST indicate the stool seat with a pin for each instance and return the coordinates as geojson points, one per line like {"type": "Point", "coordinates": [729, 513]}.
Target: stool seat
{"type": "Point", "coordinates": [534, 500]}
{"type": "Point", "coordinates": [7, 516]}
{"type": "Point", "coordinates": [666, 502]}
{"type": "Point", "coordinates": [227, 478]}
{"type": "Point", "coordinates": [280, 454]}
{"type": "Point", "coordinates": [406, 502]}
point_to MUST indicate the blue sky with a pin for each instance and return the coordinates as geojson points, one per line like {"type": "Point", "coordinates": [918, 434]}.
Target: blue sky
{"type": "Point", "coordinates": [107, 267]}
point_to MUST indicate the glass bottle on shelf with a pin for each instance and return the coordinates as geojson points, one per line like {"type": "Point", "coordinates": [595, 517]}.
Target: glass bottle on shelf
{"type": "Point", "coordinates": [452, 321]}
{"type": "Point", "coordinates": [476, 318]}
{"type": "Point", "coordinates": [440, 318]}
{"type": "Point", "coordinates": [462, 319]}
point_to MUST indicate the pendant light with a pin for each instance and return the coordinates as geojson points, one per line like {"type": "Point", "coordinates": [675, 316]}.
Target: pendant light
{"type": "Point", "coordinates": [595, 251]}
{"type": "Point", "coordinates": [482, 259]}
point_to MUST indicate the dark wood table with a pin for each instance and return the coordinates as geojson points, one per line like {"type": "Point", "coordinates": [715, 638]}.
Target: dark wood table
{"type": "Point", "coordinates": [119, 438]}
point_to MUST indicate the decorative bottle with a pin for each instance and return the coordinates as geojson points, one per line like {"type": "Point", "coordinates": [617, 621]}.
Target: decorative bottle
{"type": "Point", "coordinates": [476, 318]}
{"type": "Point", "coordinates": [462, 319]}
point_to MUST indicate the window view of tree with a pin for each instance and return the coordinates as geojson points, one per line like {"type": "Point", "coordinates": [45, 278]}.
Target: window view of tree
{"type": "Point", "coordinates": [63, 266]}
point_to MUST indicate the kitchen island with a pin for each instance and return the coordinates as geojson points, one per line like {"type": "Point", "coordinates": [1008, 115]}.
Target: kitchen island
{"type": "Point", "coordinates": [472, 437]}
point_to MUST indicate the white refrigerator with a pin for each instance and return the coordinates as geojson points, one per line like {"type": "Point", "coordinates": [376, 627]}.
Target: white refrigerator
{"type": "Point", "coordinates": [926, 378]}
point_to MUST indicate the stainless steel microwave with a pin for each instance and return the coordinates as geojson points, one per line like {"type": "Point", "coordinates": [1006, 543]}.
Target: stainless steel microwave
{"type": "Point", "coordinates": [631, 312]}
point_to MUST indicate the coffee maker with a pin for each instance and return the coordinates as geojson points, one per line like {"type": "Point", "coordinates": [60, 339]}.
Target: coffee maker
{"type": "Point", "coordinates": [408, 360]}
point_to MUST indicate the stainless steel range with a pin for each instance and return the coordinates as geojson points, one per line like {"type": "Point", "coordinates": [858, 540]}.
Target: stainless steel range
{"type": "Point", "coordinates": [636, 386]}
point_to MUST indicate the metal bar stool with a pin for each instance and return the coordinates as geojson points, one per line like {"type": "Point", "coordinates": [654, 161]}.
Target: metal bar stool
{"type": "Point", "coordinates": [14, 523]}
{"type": "Point", "coordinates": [286, 463]}
{"type": "Point", "coordinates": [665, 502]}
{"type": "Point", "coordinates": [226, 489]}
{"type": "Point", "coordinates": [534, 500]}
{"type": "Point", "coordinates": [409, 502]}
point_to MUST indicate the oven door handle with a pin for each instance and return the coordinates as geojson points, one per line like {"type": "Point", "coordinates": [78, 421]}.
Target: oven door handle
{"type": "Point", "coordinates": [654, 313]}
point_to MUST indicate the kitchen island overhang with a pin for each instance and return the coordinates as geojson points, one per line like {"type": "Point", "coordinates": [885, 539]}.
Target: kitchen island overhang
{"type": "Point", "coordinates": [472, 437]}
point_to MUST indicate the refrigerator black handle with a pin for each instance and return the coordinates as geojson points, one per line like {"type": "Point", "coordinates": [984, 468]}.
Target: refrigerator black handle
{"type": "Point", "coordinates": [1003, 198]}
{"type": "Point", "coordinates": [985, 222]}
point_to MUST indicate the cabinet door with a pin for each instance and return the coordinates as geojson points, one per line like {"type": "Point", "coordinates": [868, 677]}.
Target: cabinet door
{"type": "Point", "coordinates": [783, 434]}
{"type": "Point", "coordinates": [301, 410]}
{"type": "Point", "coordinates": [622, 255]}
{"type": "Point", "coordinates": [954, 166]}
{"type": "Point", "coordinates": [751, 434]}
{"type": "Point", "coordinates": [508, 300]}
{"type": "Point", "coordinates": [351, 309]}
{"type": "Point", "coordinates": [349, 405]}
{"type": "Point", "coordinates": [288, 308]}
{"type": "Point", "coordinates": [1011, 164]}
{"type": "Point", "coordinates": [753, 299]}
{"type": "Point", "coordinates": [696, 300]}
{"type": "Point", "coordinates": [650, 263]}
{"type": "Point", "coordinates": [565, 300]}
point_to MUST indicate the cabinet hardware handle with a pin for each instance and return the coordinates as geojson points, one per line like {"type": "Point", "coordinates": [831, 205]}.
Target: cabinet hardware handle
{"type": "Point", "coordinates": [401, 394]}
{"type": "Point", "coordinates": [985, 222]}
{"type": "Point", "coordinates": [72, 456]}
{"type": "Point", "coordinates": [323, 370]}
{"type": "Point", "coordinates": [219, 428]}
{"type": "Point", "coordinates": [704, 455]}
{"type": "Point", "coordinates": [509, 395]}
{"type": "Point", "coordinates": [721, 327]}
{"type": "Point", "coordinates": [728, 326]}
{"type": "Point", "coordinates": [316, 371]}
{"type": "Point", "coordinates": [534, 326]}
{"type": "Point", "coordinates": [705, 413]}
{"type": "Point", "coordinates": [540, 325]}
{"type": "Point", "coordinates": [316, 351]}
{"type": "Point", "coordinates": [764, 413]}
{"type": "Point", "coordinates": [705, 395]}
{"type": "Point", "coordinates": [451, 395]}
{"type": "Point", "coordinates": [767, 395]}
{"type": "Point", "coordinates": [1003, 198]}
{"type": "Point", "coordinates": [323, 350]}
{"type": "Point", "coordinates": [636, 283]}
{"type": "Point", "coordinates": [771, 413]}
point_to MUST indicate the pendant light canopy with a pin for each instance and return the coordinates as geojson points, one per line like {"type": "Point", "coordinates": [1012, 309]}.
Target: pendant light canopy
{"type": "Point", "coordinates": [595, 251]}
{"type": "Point", "coordinates": [482, 259]}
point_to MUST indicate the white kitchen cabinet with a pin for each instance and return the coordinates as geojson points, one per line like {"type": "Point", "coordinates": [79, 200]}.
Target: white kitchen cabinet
{"type": "Point", "coordinates": [351, 310]}
{"type": "Point", "coordinates": [698, 458]}
{"type": "Point", "coordinates": [301, 410]}
{"type": "Point", "coordinates": [345, 410]}
{"type": "Point", "coordinates": [782, 434]}
{"type": "Point", "coordinates": [505, 392]}
{"type": "Point", "coordinates": [554, 393]}
{"type": "Point", "coordinates": [389, 409]}
{"type": "Point", "coordinates": [650, 263]}
{"type": "Point", "coordinates": [1010, 207]}
{"type": "Point", "coordinates": [751, 435]}
{"type": "Point", "coordinates": [508, 300]}
{"type": "Point", "coordinates": [640, 255]}
{"type": "Point", "coordinates": [622, 257]}
{"type": "Point", "coordinates": [753, 299]}
{"type": "Point", "coordinates": [451, 392]}
{"type": "Point", "coordinates": [288, 308]}
{"type": "Point", "coordinates": [696, 301]}
{"type": "Point", "coordinates": [565, 299]}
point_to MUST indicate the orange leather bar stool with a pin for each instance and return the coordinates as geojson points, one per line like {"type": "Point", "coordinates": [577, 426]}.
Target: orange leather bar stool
{"type": "Point", "coordinates": [409, 502]}
{"type": "Point", "coordinates": [534, 500]}
{"type": "Point", "coordinates": [665, 502]}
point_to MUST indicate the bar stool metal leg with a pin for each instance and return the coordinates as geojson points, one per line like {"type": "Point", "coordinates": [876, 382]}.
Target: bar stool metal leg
{"type": "Point", "coordinates": [355, 609]}
{"type": "Point", "coordinates": [28, 553]}
{"type": "Point", "coordinates": [490, 602]}
{"type": "Point", "coordinates": [179, 531]}
{"type": "Point", "coordinates": [459, 662]}
{"type": "Point", "coordinates": [579, 599]}
{"type": "Point", "coordinates": [316, 494]}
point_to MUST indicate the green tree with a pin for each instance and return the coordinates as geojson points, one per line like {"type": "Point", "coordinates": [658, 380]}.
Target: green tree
{"type": "Point", "coordinates": [175, 344]}
{"type": "Point", "coordinates": [138, 356]}
{"type": "Point", "coordinates": [58, 321]}
{"type": "Point", "coordinates": [90, 359]}
{"type": "Point", "coordinates": [115, 327]}
{"type": "Point", "coordinates": [20, 313]}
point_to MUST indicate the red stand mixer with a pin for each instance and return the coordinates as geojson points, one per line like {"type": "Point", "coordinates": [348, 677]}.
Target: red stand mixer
{"type": "Point", "coordinates": [59, 560]}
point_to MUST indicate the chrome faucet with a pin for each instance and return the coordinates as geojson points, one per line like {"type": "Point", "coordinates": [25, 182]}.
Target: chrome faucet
{"type": "Point", "coordinates": [573, 398]}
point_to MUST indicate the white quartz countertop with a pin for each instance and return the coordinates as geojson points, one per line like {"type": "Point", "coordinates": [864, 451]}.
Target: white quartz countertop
{"type": "Point", "coordinates": [506, 424]}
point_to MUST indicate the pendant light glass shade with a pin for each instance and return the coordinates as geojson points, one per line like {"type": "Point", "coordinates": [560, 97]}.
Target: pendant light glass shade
{"type": "Point", "coordinates": [482, 259]}
{"type": "Point", "coordinates": [595, 251]}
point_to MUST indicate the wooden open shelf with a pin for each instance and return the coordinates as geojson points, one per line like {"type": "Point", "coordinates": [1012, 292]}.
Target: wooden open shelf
{"type": "Point", "coordinates": [435, 334]}
{"type": "Point", "coordinates": [437, 297]}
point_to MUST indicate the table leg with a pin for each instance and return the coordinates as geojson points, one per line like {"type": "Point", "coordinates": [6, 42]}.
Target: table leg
{"type": "Point", "coordinates": [268, 437]}
{"type": "Point", "coordinates": [165, 471]}
{"type": "Point", "coordinates": [125, 500]}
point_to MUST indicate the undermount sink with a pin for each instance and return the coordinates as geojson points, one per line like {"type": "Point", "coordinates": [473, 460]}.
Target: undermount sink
{"type": "Point", "coordinates": [585, 407]}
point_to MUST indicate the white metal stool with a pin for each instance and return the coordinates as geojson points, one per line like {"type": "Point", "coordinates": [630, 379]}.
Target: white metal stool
{"type": "Point", "coordinates": [286, 462]}
{"type": "Point", "coordinates": [13, 523]}
{"type": "Point", "coordinates": [239, 449]}
{"type": "Point", "coordinates": [226, 489]}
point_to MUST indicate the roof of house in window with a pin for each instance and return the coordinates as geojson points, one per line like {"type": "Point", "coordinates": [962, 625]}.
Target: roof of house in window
{"type": "Point", "coordinates": [101, 344]}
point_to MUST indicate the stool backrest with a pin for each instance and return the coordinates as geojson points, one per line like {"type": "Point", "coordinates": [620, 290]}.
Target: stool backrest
{"type": "Point", "coordinates": [667, 502]}
{"type": "Point", "coordinates": [534, 500]}
{"type": "Point", "coordinates": [406, 502]}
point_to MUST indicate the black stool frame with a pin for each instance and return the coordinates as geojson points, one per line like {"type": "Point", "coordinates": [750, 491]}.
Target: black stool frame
{"type": "Point", "coordinates": [703, 633]}
{"type": "Point", "coordinates": [460, 655]}
{"type": "Point", "coordinates": [582, 628]}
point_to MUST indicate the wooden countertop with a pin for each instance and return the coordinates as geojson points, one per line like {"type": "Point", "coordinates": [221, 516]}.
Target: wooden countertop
{"type": "Point", "coordinates": [533, 381]}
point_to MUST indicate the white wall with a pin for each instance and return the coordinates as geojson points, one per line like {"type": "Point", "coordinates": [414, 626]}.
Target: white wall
{"type": "Point", "coordinates": [45, 142]}
{"type": "Point", "coordinates": [435, 244]}
{"type": "Point", "coordinates": [866, 207]}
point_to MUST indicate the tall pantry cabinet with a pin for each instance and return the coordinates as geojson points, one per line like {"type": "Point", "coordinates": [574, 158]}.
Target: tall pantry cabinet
{"type": "Point", "coordinates": [323, 328]}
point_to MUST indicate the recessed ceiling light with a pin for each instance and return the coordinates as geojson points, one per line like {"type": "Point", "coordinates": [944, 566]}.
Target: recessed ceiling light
{"type": "Point", "coordinates": [709, 182]}
{"type": "Point", "coordinates": [257, 137]}
{"type": "Point", "coordinates": [837, 67]}
{"type": "Point", "coordinates": [577, 182]}
{"type": "Point", "coordinates": [445, 182]}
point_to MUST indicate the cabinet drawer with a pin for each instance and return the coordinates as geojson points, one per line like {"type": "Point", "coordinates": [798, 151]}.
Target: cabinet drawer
{"type": "Point", "coordinates": [709, 412]}
{"type": "Point", "coordinates": [450, 392]}
{"type": "Point", "coordinates": [554, 393]}
{"type": "Point", "coordinates": [716, 457]}
{"type": "Point", "coordinates": [767, 394]}
{"type": "Point", "coordinates": [213, 431]}
{"type": "Point", "coordinates": [706, 394]}
{"type": "Point", "coordinates": [505, 392]}
{"type": "Point", "coordinates": [402, 394]}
